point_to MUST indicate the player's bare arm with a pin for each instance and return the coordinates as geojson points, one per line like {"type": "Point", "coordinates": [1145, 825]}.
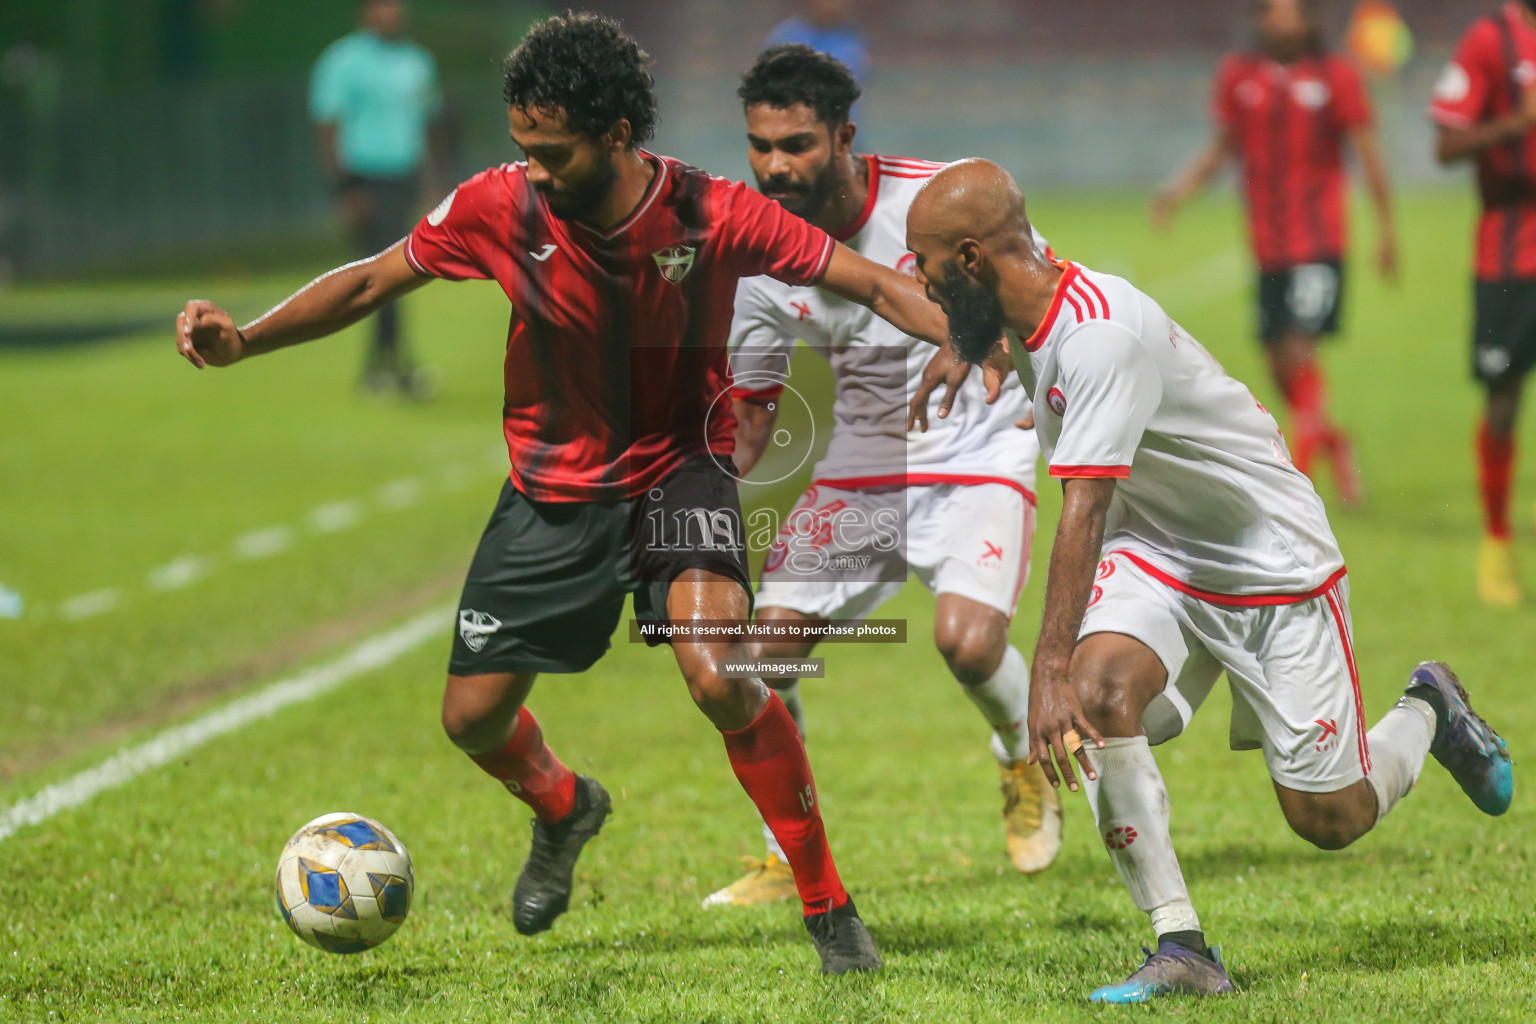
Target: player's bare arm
{"type": "Point", "coordinates": [1054, 708]}
{"type": "Point", "coordinates": [207, 336]}
{"type": "Point", "coordinates": [892, 295]}
{"type": "Point", "coordinates": [755, 418]}
{"type": "Point", "coordinates": [1192, 178]}
{"type": "Point", "coordinates": [1379, 187]}
{"type": "Point", "coordinates": [1454, 143]}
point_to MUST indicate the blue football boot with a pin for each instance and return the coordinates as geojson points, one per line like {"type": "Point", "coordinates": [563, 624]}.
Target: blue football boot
{"type": "Point", "coordinates": [1172, 970]}
{"type": "Point", "coordinates": [1464, 744]}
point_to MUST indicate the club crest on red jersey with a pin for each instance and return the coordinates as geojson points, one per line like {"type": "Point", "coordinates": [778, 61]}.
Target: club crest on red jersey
{"type": "Point", "coordinates": [674, 262]}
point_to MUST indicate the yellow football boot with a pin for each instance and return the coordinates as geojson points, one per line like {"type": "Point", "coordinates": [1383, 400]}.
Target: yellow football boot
{"type": "Point", "coordinates": [1497, 582]}
{"type": "Point", "coordinates": [766, 881]}
{"type": "Point", "coordinates": [1031, 816]}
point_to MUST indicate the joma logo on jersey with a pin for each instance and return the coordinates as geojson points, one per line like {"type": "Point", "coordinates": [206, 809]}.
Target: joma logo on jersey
{"type": "Point", "coordinates": [476, 628]}
{"type": "Point", "coordinates": [674, 262]}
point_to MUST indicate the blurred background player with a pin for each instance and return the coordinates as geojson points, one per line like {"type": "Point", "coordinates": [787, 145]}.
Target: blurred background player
{"type": "Point", "coordinates": [1188, 547]}
{"type": "Point", "coordinates": [962, 493]}
{"type": "Point", "coordinates": [1285, 110]}
{"type": "Point", "coordinates": [376, 104]}
{"type": "Point", "coordinates": [1485, 110]}
{"type": "Point", "coordinates": [620, 266]}
{"type": "Point", "coordinates": [830, 27]}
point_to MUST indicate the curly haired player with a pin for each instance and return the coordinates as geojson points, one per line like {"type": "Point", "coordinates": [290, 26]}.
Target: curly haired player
{"type": "Point", "coordinates": [620, 266]}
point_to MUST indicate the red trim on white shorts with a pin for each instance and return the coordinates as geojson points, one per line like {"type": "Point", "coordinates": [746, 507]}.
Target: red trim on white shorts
{"type": "Point", "coordinates": [1024, 545]}
{"type": "Point", "coordinates": [1336, 605]}
{"type": "Point", "coordinates": [860, 483]}
{"type": "Point", "coordinates": [1232, 600]}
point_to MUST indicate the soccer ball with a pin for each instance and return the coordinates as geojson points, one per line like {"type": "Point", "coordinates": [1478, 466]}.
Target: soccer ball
{"type": "Point", "coordinates": [344, 883]}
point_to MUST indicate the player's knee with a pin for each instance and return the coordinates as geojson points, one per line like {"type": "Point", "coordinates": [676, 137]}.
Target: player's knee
{"type": "Point", "coordinates": [972, 646]}
{"type": "Point", "coordinates": [708, 688]}
{"type": "Point", "coordinates": [972, 654]}
{"type": "Point", "coordinates": [778, 649]}
{"type": "Point", "coordinates": [1105, 691]}
{"type": "Point", "coordinates": [472, 726]}
{"type": "Point", "coordinates": [1328, 828]}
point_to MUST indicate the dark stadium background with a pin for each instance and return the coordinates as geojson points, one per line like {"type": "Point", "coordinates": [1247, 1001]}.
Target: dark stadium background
{"type": "Point", "coordinates": [143, 131]}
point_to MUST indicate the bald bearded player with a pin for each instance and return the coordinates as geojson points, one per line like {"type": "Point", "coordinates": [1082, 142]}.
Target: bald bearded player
{"type": "Point", "coordinates": [1188, 546]}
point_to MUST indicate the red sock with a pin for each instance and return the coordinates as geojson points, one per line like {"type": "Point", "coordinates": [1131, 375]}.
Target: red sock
{"type": "Point", "coordinates": [1305, 393]}
{"type": "Point", "coordinates": [531, 771]}
{"type": "Point", "coordinates": [770, 763]}
{"type": "Point", "coordinates": [1496, 460]}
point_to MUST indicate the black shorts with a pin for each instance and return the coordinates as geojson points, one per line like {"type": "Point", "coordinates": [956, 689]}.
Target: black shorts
{"type": "Point", "coordinates": [547, 584]}
{"type": "Point", "coordinates": [1504, 336]}
{"type": "Point", "coordinates": [388, 208]}
{"type": "Point", "coordinates": [1303, 299]}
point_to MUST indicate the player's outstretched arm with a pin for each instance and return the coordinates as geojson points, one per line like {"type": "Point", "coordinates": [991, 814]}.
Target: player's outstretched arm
{"type": "Point", "coordinates": [1379, 186]}
{"type": "Point", "coordinates": [891, 294]}
{"type": "Point", "coordinates": [1057, 725]}
{"type": "Point", "coordinates": [1191, 178]}
{"type": "Point", "coordinates": [207, 336]}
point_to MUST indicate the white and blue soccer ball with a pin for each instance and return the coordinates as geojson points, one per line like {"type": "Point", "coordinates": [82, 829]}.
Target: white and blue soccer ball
{"type": "Point", "coordinates": [344, 883]}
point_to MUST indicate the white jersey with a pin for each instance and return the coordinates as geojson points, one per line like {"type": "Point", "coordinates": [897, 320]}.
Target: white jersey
{"type": "Point", "coordinates": [1208, 500]}
{"type": "Point", "coordinates": [877, 368]}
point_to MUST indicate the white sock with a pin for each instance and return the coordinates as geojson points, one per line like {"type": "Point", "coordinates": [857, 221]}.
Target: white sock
{"type": "Point", "coordinates": [1130, 804]}
{"type": "Point", "coordinates": [1004, 703]}
{"type": "Point", "coordinates": [1398, 746]}
{"type": "Point", "coordinates": [790, 695]}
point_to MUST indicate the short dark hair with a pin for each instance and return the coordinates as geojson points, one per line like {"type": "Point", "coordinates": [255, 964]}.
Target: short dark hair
{"type": "Point", "coordinates": [792, 73]}
{"type": "Point", "coordinates": [587, 66]}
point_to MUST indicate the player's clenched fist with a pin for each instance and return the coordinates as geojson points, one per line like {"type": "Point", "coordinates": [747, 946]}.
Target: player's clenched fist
{"type": "Point", "coordinates": [207, 336]}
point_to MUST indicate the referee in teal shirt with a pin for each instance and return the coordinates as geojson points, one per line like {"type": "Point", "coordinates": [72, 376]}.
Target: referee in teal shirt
{"type": "Point", "coordinates": [375, 99]}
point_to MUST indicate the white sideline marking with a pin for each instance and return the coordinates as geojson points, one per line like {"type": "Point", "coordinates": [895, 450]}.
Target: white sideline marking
{"type": "Point", "coordinates": [263, 543]}
{"type": "Point", "coordinates": [375, 652]}
{"type": "Point", "coordinates": [335, 517]}
{"type": "Point", "coordinates": [83, 606]}
{"type": "Point", "coordinates": [401, 493]}
{"type": "Point", "coordinates": [184, 571]}
{"type": "Point", "coordinates": [329, 518]}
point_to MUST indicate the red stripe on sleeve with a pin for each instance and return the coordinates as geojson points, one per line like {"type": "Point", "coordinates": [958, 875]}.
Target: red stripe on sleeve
{"type": "Point", "coordinates": [1090, 472]}
{"type": "Point", "coordinates": [1085, 279]}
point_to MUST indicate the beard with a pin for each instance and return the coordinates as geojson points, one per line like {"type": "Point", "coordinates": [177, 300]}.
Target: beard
{"type": "Point", "coordinates": [578, 202]}
{"type": "Point", "coordinates": [805, 199]}
{"type": "Point", "coordinates": [975, 314]}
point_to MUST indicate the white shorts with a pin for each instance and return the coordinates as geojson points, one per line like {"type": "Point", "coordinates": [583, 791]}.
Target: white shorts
{"type": "Point", "coordinates": [840, 554]}
{"type": "Point", "coordinates": [1291, 668]}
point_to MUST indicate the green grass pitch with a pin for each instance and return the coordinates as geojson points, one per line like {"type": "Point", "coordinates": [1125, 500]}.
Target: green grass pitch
{"type": "Point", "coordinates": [181, 538]}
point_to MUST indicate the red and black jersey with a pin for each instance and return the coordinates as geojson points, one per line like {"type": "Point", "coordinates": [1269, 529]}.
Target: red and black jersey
{"type": "Point", "coordinates": [1289, 123]}
{"type": "Point", "coordinates": [1493, 66]}
{"type": "Point", "coordinates": [616, 368]}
